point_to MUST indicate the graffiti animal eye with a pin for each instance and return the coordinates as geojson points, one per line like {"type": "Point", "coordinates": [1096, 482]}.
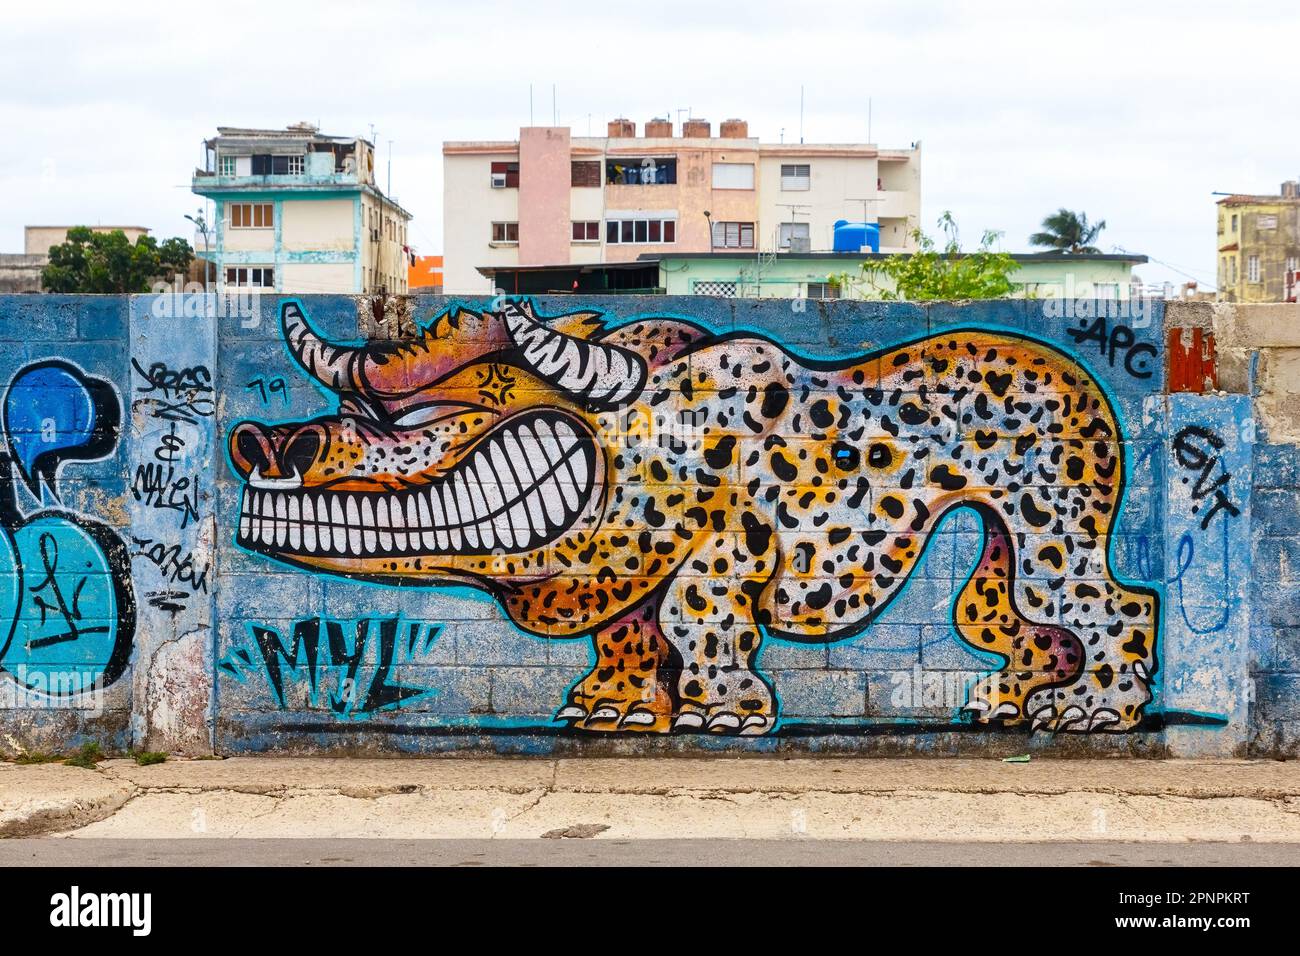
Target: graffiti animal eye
{"type": "Point", "coordinates": [415, 417]}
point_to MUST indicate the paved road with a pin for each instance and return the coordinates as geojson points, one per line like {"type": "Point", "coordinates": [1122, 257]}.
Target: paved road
{"type": "Point", "coordinates": [333, 852]}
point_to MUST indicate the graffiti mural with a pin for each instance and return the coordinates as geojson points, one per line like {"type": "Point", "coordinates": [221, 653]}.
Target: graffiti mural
{"type": "Point", "coordinates": [67, 608]}
{"type": "Point", "coordinates": [352, 666]}
{"type": "Point", "coordinates": [679, 496]}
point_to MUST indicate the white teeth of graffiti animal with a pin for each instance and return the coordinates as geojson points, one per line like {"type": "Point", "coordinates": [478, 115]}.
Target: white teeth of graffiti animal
{"type": "Point", "coordinates": [521, 487]}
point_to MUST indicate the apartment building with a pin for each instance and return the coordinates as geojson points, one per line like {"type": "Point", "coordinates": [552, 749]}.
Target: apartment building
{"type": "Point", "coordinates": [299, 211]}
{"type": "Point", "coordinates": [550, 198]}
{"type": "Point", "coordinates": [1259, 246]}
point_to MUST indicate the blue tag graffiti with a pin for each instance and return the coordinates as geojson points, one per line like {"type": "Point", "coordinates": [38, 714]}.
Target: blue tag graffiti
{"type": "Point", "coordinates": [67, 609]}
{"type": "Point", "coordinates": [354, 671]}
{"type": "Point", "coordinates": [54, 413]}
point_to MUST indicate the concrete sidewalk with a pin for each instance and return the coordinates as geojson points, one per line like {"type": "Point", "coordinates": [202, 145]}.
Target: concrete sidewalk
{"type": "Point", "coordinates": [679, 798]}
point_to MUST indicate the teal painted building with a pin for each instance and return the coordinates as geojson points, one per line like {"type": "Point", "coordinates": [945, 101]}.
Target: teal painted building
{"type": "Point", "coordinates": [299, 212]}
{"type": "Point", "coordinates": [814, 275]}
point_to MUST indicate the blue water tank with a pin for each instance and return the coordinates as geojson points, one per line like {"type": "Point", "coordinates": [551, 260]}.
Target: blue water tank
{"type": "Point", "coordinates": [856, 236]}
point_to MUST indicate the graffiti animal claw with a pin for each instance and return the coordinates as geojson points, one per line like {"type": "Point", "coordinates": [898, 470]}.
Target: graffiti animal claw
{"type": "Point", "coordinates": [724, 722]}
{"type": "Point", "coordinates": [688, 720]}
{"type": "Point", "coordinates": [1102, 718]}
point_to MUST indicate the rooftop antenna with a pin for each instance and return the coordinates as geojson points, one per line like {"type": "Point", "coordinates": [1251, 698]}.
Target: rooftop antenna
{"type": "Point", "coordinates": [869, 139]}
{"type": "Point", "coordinates": [794, 219]}
{"type": "Point", "coordinates": [800, 114]}
{"type": "Point", "coordinates": [390, 168]}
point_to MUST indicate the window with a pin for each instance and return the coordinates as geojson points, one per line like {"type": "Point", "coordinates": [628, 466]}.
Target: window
{"type": "Point", "coordinates": [798, 231]}
{"type": "Point", "coordinates": [726, 289]}
{"type": "Point", "coordinates": [1292, 264]}
{"type": "Point", "coordinates": [1252, 268]}
{"type": "Point", "coordinates": [267, 165]}
{"type": "Point", "coordinates": [252, 215]}
{"type": "Point", "coordinates": [822, 290]}
{"type": "Point", "coordinates": [1234, 223]}
{"type": "Point", "coordinates": [644, 171]}
{"type": "Point", "coordinates": [586, 231]}
{"type": "Point", "coordinates": [226, 166]}
{"type": "Point", "coordinates": [505, 175]}
{"type": "Point", "coordinates": [796, 176]}
{"type": "Point", "coordinates": [584, 172]}
{"type": "Point", "coordinates": [733, 175]}
{"type": "Point", "coordinates": [733, 235]}
{"type": "Point", "coordinates": [505, 232]}
{"type": "Point", "coordinates": [256, 277]}
{"type": "Point", "coordinates": [1232, 269]}
{"type": "Point", "coordinates": [297, 165]}
{"type": "Point", "coordinates": [647, 231]}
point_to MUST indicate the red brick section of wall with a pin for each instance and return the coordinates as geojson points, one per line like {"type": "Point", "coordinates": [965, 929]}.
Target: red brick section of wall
{"type": "Point", "coordinates": [1191, 360]}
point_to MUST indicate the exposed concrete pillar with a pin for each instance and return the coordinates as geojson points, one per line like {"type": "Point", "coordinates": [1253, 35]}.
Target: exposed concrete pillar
{"type": "Point", "coordinates": [1206, 644]}
{"type": "Point", "coordinates": [172, 413]}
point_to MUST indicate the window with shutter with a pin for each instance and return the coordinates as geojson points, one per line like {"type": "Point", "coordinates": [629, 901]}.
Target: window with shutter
{"type": "Point", "coordinates": [796, 176]}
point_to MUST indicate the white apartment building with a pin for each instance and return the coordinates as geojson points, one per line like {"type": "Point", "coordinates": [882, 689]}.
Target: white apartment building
{"type": "Point", "coordinates": [298, 211]}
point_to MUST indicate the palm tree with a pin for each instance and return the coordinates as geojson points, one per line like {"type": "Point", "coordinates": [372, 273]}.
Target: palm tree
{"type": "Point", "coordinates": [1068, 231]}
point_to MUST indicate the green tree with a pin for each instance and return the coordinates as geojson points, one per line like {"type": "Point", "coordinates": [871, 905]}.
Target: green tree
{"type": "Point", "coordinates": [1068, 231]}
{"type": "Point", "coordinates": [108, 262]}
{"type": "Point", "coordinates": [935, 272]}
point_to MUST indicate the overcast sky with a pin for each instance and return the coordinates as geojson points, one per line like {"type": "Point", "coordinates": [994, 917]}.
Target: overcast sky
{"type": "Point", "coordinates": [1134, 112]}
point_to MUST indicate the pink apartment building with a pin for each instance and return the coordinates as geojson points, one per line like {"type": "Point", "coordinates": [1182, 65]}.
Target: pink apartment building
{"type": "Point", "coordinates": [551, 198]}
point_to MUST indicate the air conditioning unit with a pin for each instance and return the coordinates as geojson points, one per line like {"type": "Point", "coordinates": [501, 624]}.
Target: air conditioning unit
{"type": "Point", "coordinates": [498, 180]}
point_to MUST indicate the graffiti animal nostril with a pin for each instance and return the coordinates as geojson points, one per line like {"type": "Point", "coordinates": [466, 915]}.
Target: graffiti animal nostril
{"type": "Point", "coordinates": [251, 448]}
{"type": "Point", "coordinates": [298, 453]}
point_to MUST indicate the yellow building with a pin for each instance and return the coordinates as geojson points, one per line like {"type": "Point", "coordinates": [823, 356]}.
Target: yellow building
{"type": "Point", "coordinates": [1259, 246]}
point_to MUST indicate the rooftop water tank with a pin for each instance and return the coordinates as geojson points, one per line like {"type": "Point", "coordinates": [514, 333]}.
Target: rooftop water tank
{"type": "Point", "coordinates": [856, 236]}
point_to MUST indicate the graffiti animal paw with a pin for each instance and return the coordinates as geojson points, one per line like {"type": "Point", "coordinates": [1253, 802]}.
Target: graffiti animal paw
{"type": "Point", "coordinates": [1087, 707]}
{"type": "Point", "coordinates": [736, 702]}
{"type": "Point", "coordinates": [604, 705]}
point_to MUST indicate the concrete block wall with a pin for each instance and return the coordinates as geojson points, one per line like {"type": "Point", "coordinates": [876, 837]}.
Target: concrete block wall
{"type": "Point", "coordinates": [1259, 357]}
{"type": "Point", "coordinates": [244, 636]}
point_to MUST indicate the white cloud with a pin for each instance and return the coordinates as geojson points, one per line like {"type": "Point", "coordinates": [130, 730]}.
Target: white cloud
{"type": "Point", "coordinates": [1132, 112]}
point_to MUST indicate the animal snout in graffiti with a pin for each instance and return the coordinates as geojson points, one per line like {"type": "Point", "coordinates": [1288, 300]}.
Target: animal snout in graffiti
{"type": "Point", "coordinates": [480, 453]}
{"type": "Point", "coordinates": [67, 608]}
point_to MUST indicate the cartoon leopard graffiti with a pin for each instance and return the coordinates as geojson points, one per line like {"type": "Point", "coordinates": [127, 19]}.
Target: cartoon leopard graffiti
{"type": "Point", "coordinates": [677, 495]}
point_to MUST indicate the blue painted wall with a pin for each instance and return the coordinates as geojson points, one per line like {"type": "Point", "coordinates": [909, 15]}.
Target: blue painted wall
{"type": "Point", "coordinates": [239, 652]}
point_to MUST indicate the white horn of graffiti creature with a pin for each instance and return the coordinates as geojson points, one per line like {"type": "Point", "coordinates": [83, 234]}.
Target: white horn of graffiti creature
{"type": "Point", "coordinates": [334, 366]}
{"type": "Point", "coordinates": [603, 375]}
